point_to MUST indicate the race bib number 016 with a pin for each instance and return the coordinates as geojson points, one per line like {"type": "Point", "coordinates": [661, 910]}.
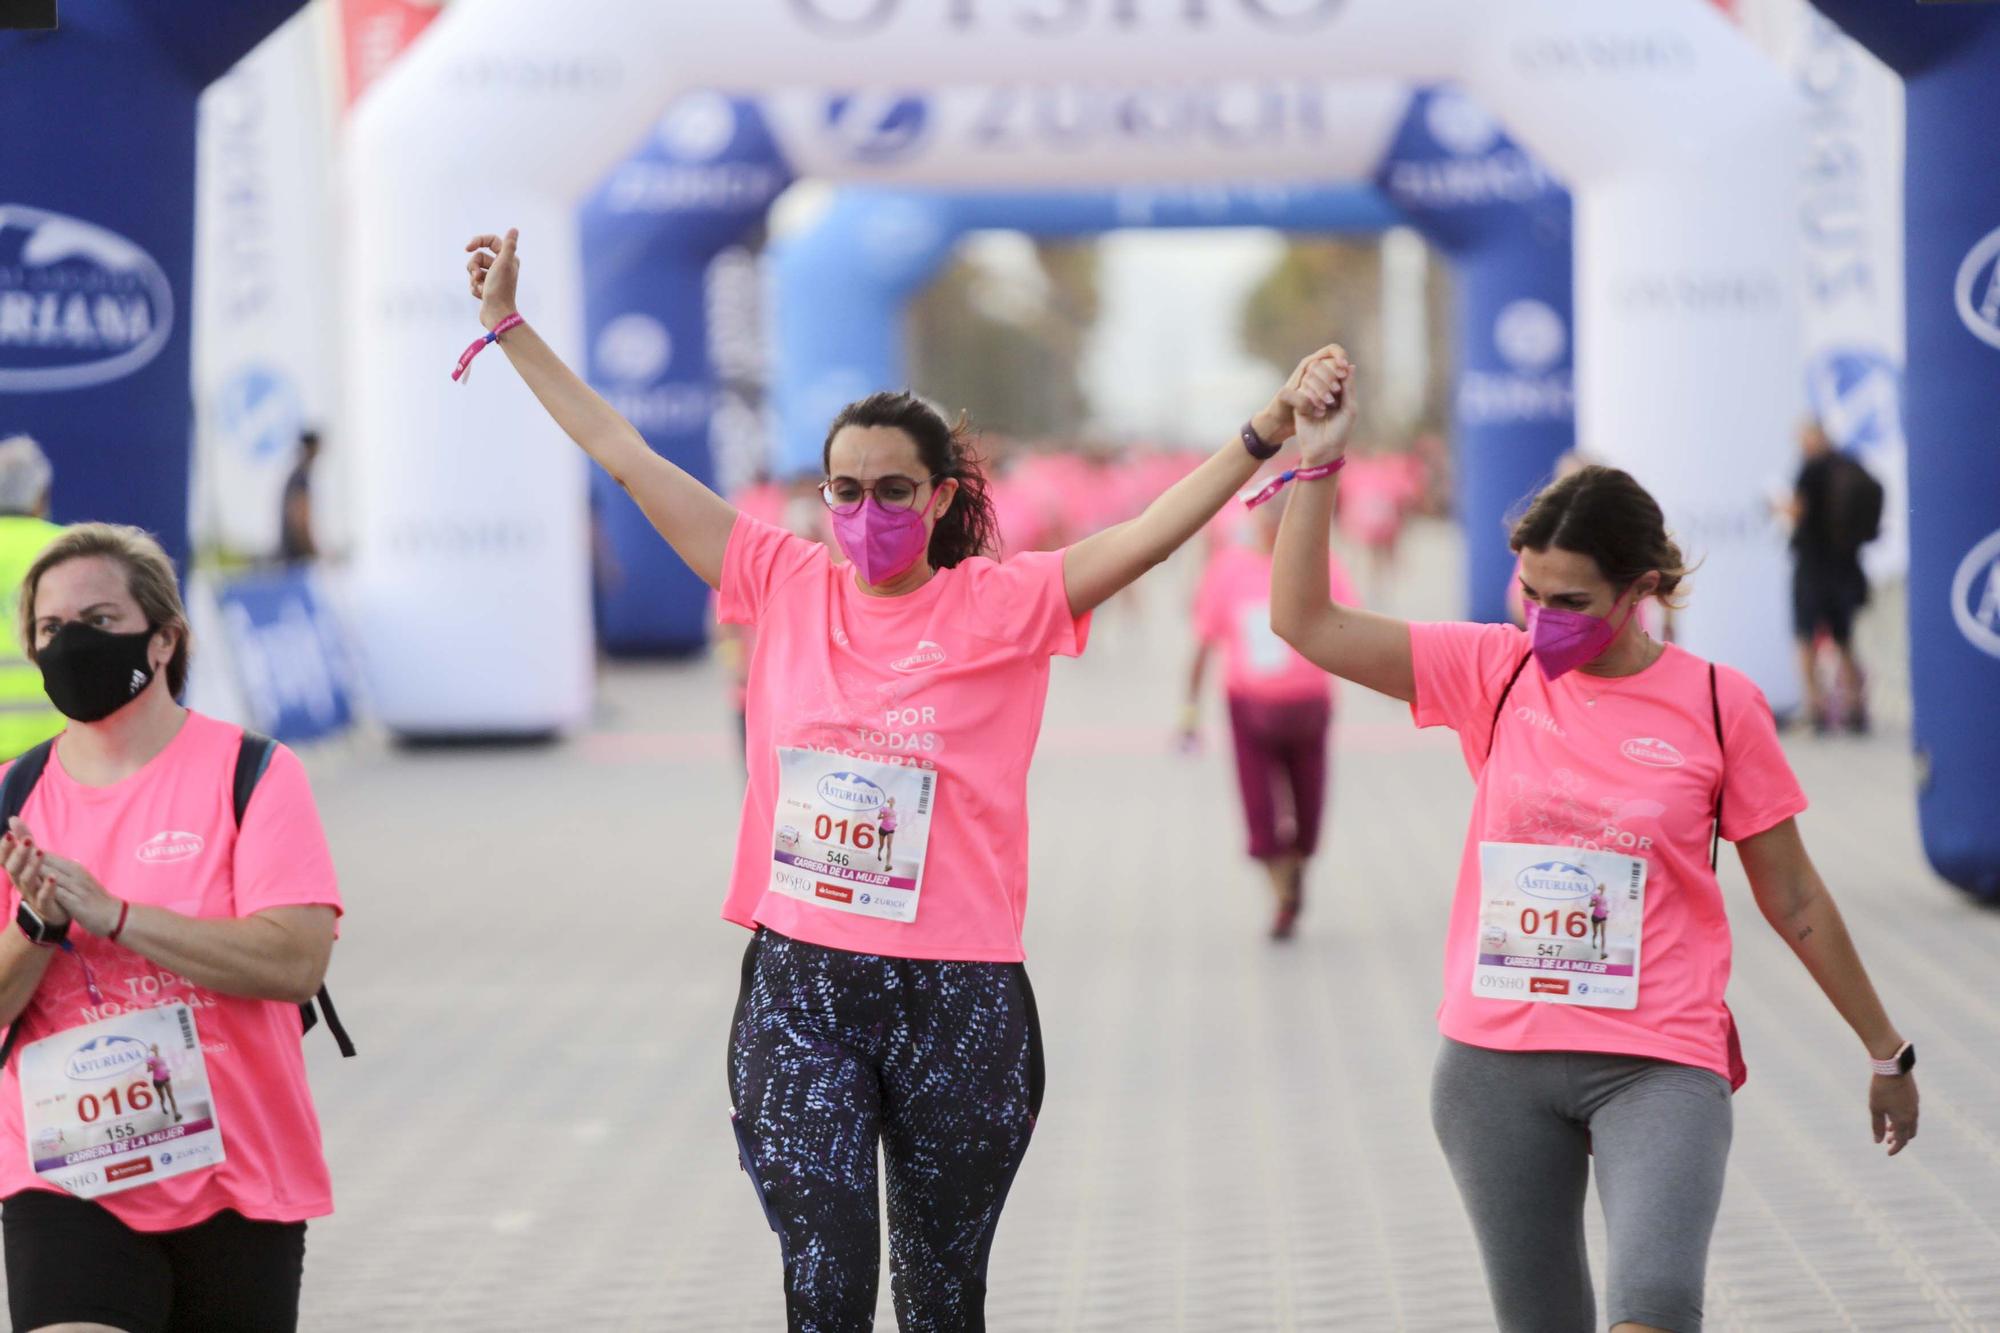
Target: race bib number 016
{"type": "Point", "coordinates": [850, 835]}
{"type": "Point", "coordinates": [1559, 925]}
{"type": "Point", "coordinates": [119, 1103]}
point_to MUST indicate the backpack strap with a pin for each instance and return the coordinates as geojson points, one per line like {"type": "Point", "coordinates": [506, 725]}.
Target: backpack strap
{"type": "Point", "coordinates": [1722, 774]}
{"type": "Point", "coordinates": [1493, 730]}
{"type": "Point", "coordinates": [20, 781]}
{"type": "Point", "coordinates": [253, 757]}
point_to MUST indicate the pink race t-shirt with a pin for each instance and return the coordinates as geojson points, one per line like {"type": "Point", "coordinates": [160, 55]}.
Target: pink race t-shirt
{"type": "Point", "coordinates": [951, 677]}
{"type": "Point", "coordinates": [1626, 765]}
{"type": "Point", "coordinates": [1232, 609]}
{"type": "Point", "coordinates": [167, 837]}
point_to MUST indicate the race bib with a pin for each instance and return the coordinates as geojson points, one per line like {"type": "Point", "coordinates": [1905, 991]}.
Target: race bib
{"type": "Point", "coordinates": [850, 834]}
{"type": "Point", "coordinates": [1559, 925]}
{"type": "Point", "coordinates": [99, 1116]}
{"type": "Point", "coordinates": [1267, 653]}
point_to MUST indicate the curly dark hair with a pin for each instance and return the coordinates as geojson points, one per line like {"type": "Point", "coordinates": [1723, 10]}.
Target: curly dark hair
{"type": "Point", "coordinates": [969, 527]}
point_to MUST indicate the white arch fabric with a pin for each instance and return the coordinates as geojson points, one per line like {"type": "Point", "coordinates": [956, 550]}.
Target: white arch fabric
{"type": "Point", "coordinates": [1663, 119]}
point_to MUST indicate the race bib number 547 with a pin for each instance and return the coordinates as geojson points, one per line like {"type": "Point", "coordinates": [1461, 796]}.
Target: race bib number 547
{"type": "Point", "coordinates": [1559, 925]}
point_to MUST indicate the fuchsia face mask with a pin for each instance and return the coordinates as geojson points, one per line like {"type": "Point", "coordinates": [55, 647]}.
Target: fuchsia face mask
{"type": "Point", "coordinates": [1563, 640]}
{"type": "Point", "coordinates": [879, 541]}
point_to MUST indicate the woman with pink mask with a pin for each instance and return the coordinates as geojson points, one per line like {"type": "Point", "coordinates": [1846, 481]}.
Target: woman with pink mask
{"type": "Point", "coordinates": [1606, 763]}
{"type": "Point", "coordinates": [885, 1006]}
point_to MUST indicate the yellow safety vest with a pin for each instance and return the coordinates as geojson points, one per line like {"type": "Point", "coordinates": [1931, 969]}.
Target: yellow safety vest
{"type": "Point", "coordinates": [26, 719]}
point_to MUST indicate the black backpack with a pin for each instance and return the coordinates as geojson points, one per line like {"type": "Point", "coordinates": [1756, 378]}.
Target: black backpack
{"type": "Point", "coordinates": [1854, 505]}
{"type": "Point", "coordinates": [252, 758]}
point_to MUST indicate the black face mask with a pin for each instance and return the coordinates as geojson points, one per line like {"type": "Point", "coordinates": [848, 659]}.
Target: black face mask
{"type": "Point", "coordinates": [90, 673]}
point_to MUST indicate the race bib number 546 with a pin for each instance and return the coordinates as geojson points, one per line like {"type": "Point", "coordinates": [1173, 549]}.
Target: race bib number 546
{"type": "Point", "coordinates": [850, 835]}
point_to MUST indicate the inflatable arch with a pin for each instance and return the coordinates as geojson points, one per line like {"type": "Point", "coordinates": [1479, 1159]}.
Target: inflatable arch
{"type": "Point", "coordinates": [1660, 116]}
{"type": "Point", "coordinates": [97, 245]}
{"type": "Point", "coordinates": [841, 300]}
{"type": "Point", "coordinates": [1951, 226]}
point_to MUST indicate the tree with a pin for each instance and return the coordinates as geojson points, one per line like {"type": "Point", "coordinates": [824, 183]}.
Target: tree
{"type": "Point", "coordinates": [1005, 345]}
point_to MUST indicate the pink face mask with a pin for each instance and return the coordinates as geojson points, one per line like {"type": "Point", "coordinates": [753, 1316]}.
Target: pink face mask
{"type": "Point", "coordinates": [1563, 640]}
{"type": "Point", "coordinates": [879, 541]}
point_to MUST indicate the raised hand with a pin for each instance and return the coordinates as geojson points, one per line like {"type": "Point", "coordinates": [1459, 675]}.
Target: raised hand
{"type": "Point", "coordinates": [494, 270]}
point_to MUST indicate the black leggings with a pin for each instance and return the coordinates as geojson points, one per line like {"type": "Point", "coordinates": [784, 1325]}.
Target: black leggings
{"type": "Point", "coordinates": [939, 1061]}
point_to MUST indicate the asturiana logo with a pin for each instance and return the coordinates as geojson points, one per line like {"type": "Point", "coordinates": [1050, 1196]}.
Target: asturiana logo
{"type": "Point", "coordinates": [1653, 752]}
{"type": "Point", "coordinates": [1555, 879]}
{"type": "Point", "coordinates": [79, 305]}
{"type": "Point", "coordinates": [108, 1056]}
{"type": "Point", "coordinates": [170, 846]}
{"type": "Point", "coordinates": [928, 654]}
{"type": "Point", "coordinates": [850, 791]}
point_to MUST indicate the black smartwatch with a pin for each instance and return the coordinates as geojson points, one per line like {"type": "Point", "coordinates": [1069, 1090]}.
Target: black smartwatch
{"type": "Point", "coordinates": [38, 930]}
{"type": "Point", "coordinates": [1902, 1062]}
{"type": "Point", "coordinates": [1259, 448]}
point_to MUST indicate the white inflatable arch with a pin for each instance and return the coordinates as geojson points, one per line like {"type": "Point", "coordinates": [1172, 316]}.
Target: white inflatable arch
{"type": "Point", "coordinates": [1677, 138]}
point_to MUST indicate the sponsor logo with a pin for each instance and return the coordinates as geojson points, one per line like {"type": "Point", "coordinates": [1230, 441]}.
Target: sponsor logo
{"type": "Point", "coordinates": [1653, 752]}
{"type": "Point", "coordinates": [789, 838]}
{"type": "Point", "coordinates": [839, 893]}
{"type": "Point", "coordinates": [162, 848]}
{"type": "Point", "coordinates": [257, 412]}
{"type": "Point", "coordinates": [1488, 981]}
{"type": "Point", "coordinates": [531, 75]}
{"type": "Point", "coordinates": [1555, 879]}
{"type": "Point", "coordinates": [109, 1056]}
{"type": "Point", "coordinates": [1529, 335]}
{"type": "Point", "coordinates": [1532, 339]}
{"type": "Point", "coordinates": [1977, 291]}
{"type": "Point", "coordinates": [1583, 988]}
{"type": "Point", "coordinates": [698, 127]}
{"type": "Point", "coordinates": [866, 899]}
{"type": "Point", "coordinates": [1975, 595]}
{"type": "Point", "coordinates": [126, 1170]}
{"type": "Point", "coordinates": [1618, 53]}
{"type": "Point", "coordinates": [634, 349]}
{"type": "Point", "coordinates": [1548, 985]}
{"type": "Point", "coordinates": [1857, 394]}
{"type": "Point", "coordinates": [79, 304]}
{"type": "Point", "coordinates": [1056, 18]}
{"type": "Point", "coordinates": [435, 534]}
{"type": "Point", "coordinates": [927, 655]}
{"type": "Point", "coordinates": [1493, 935]}
{"type": "Point", "coordinates": [646, 186]}
{"type": "Point", "coordinates": [876, 127]}
{"type": "Point", "coordinates": [850, 791]}
{"type": "Point", "coordinates": [1710, 293]}
{"type": "Point", "coordinates": [1014, 119]}
{"type": "Point", "coordinates": [1459, 124]}
{"type": "Point", "coordinates": [1535, 717]}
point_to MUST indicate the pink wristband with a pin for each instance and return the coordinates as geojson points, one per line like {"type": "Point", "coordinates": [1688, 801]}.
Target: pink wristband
{"type": "Point", "coordinates": [479, 345]}
{"type": "Point", "coordinates": [1279, 482]}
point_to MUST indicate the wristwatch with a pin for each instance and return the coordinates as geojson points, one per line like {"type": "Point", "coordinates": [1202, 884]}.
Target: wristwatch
{"type": "Point", "coordinates": [1902, 1062]}
{"type": "Point", "coordinates": [38, 930]}
{"type": "Point", "coordinates": [1258, 447]}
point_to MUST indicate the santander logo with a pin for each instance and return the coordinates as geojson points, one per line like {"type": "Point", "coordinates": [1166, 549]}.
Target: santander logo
{"type": "Point", "coordinates": [163, 848]}
{"type": "Point", "coordinates": [928, 654]}
{"type": "Point", "coordinates": [1653, 752]}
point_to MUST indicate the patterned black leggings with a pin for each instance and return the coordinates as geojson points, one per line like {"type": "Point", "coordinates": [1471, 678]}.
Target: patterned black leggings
{"type": "Point", "coordinates": [942, 1062]}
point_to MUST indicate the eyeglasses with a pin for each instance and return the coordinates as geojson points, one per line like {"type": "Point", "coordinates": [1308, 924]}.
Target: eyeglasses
{"type": "Point", "coordinates": [843, 495]}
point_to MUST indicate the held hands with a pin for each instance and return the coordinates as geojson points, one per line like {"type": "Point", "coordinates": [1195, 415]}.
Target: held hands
{"type": "Point", "coordinates": [1323, 437]}
{"type": "Point", "coordinates": [495, 270]}
{"type": "Point", "coordinates": [25, 866]}
{"type": "Point", "coordinates": [1892, 1110]}
{"type": "Point", "coordinates": [1314, 391]}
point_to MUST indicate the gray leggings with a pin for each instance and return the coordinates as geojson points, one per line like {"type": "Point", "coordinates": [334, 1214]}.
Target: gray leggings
{"type": "Point", "coordinates": [1518, 1128]}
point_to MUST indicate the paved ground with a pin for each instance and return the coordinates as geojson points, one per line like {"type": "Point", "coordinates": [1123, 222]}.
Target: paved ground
{"type": "Point", "coordinates": [1236, 1135]}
